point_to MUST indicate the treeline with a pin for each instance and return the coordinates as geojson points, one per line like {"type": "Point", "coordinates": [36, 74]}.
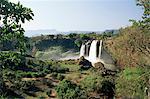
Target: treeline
{"type": "Point", "coordinates": [70, 41]}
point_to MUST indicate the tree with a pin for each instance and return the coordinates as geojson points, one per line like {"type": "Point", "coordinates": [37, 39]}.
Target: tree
{"type": "Point", "coordinates": [145, 22]}
{"type": "Point", "coordinates": [145, 4]}
{"type": "Point", "coordinates": [144, 26]}
{"type": "Point", "coordinates": [78, 42]}
{"type": "Point", "coordinates": [72, 35]}
{"type": "Point", "coordinates": [11, 18]}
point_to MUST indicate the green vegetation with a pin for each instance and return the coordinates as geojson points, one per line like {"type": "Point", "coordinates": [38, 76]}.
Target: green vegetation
{"type": "Point", "coordinates": [133, 83]}
{"type": "Point", "coordinates": [75, 40]}
{"type": "Point", "coordinates": [67, 90]}
{"type": "Point", "coordinates": [37, 76]}
{"type": "Point", "coordinates": [12, 33]}
{"type": "Point", "coordinates": [130, 47]}
{"type": "Point", "coordinates": [92, 83]}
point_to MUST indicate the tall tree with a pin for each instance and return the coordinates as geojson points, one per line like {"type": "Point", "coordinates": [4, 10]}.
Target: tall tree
{"type": "Point", "coordinates": [11, 18]}
{"type": "Point", "coordinates": [145, 4]}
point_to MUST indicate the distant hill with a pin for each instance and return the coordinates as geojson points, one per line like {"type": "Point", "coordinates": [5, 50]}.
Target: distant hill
{"type": "Point", "coordinates": [33, 33]}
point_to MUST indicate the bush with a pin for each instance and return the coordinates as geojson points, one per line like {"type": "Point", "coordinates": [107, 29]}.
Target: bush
{"type": "Point", "coordinates": [41, 74]}
{"type": "Point", "coordinates": [2, 87]}
{"type": "Point", "coordinates": [97, 83]}
{"type": "Point", "coordinates": [67, 90]}
{"type": "Point", "coordinates": [21, 74]}
{"type": "Point", "coordinates": [48, 92]}
{"type": "Point", "coordinates": [41, 97]}
{"type": "Point", "coordinates": [11, 60]}
{"type": "Point", "coordinates": [60, 77]}
{"type": "Point", "coordinates": [59, 69]}
{"type": "Point", "coordinates": [22, 86]}
{"type": "Point", "coordinates": [132, 82]}
{"type": "Point", "coordinates": [54, 74]}
{"type": "Point", "coordinates": [108, 88]}
{"type": "Point", "coordinates": [91, 83]}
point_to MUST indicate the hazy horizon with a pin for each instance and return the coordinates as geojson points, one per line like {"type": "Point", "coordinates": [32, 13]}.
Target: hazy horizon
{"type": "Point", "coordinates": [81, 15]}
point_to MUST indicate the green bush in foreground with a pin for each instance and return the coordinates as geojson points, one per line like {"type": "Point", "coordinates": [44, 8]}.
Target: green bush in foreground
{"type": "Point", "coordinates": [132, 83]}
{"type": "Point", "coordinates": [91, 83]}
{"type": "Point", "coordinates": [67, 90]}
{"type": "Point", "coordinates": [60, 77]}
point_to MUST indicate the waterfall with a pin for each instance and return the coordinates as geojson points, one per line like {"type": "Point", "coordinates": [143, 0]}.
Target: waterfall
{"type": "Point", "coordinates": [100, 50]}
{"type": "Point", "coordinates": [93, 51]}
{"type": "Point", "coordinates": [82, 50]}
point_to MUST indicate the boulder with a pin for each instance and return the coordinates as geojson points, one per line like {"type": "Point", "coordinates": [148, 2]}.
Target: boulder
{"type": "Point", "coordinates": [84, 62]}
{"type": "Point", "coordinates": [99, 65]}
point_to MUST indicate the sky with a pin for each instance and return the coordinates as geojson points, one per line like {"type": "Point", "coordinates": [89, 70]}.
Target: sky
{"type": "Point", "coordinates": [81, 15]}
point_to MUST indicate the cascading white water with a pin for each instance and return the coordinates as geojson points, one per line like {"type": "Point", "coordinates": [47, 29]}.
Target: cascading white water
{"type": "Point", "coordinates": [100, 49]}
{"type": "Point", "coordinates": [82, 50]}
{"type": "Point", "coordinates": [93, 51]}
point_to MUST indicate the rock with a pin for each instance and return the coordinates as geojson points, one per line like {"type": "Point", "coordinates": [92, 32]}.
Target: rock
{"type": "Point", "coordinates": [99, 65]}
{"type": "Point", "coordinates": [84, 62]}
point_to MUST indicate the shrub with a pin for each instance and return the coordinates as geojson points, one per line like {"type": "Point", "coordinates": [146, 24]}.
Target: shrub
{"type": "Point", "coordinates": [41, 97]}
{"type": "Point", "coordinates": [108, 88]}
{"type": "Point", "coordinates": [97, 83]}
{"type": "Point", "coordinates": [3, 97]}
{"type": "Point", "coordinates": [54, 74]}
{"type": "Point", "coordinates": [41, 74]}
{"type": "Point", "coordinates": [2, 87]}
{"type": "Point", "coordinates": [20, 74]}
{"type": "Point", "coordinates": [59, 69]}
{"type": "Point", "coordinates": [22, 86]}
{"type": "Point", "coordinates": [60, 77]}
{"type": "Point", "coordinates": [91, 83]}
{"type": "Point", "coordinates": [50, 83]}
{"type": "Point", "coordinates": [67, 90]}
{"type": "Point", "coordinates": [11, 60]}
{"type": "Point", "coordinates": [132, 82]}
{"type": "Point", "coordinates": [48, 92]}
{"type": "Point", "coordinates": [30, 62]}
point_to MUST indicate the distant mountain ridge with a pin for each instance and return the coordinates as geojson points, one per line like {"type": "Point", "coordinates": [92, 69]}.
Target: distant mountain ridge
{"type": "Point", "coordinates": [32, 33]}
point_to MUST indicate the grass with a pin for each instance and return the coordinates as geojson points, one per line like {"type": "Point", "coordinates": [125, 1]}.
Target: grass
{"type": "Point", "coordinates": [132, 72]}
{"type": "Point", "coordinates": [74, 74]}
{"type": "Point", "coordinates": [71, 67]}
{"type": "Point", "coordinates": [132, 82]}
